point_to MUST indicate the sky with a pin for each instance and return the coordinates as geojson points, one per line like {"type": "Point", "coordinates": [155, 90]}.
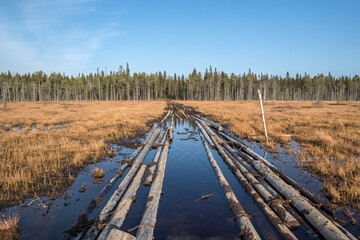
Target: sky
{"type": "Point", "coordinates": [274, 37]}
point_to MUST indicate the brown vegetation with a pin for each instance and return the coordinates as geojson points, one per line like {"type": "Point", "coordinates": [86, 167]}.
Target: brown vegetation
{"type": "Point", "coordinates": [42, 143]}
{"type": "Point", "coordinates": [9, 228]}
{"type": "Point", "coordinates": [98, 172]}
{"type": "Point", "coordinates": [329, 135]}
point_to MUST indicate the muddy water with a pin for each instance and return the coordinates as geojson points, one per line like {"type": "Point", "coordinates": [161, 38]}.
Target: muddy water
{"type": "Point", "coordinates": [181, 214]}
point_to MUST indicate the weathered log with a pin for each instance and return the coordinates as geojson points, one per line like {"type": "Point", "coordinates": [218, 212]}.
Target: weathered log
{"type": "Point", "coordinates": [178, 116]}
{"type": "Point", "coordinates": [247, 229]}
{"type": "Point", "coordinates": [286, 178]}
{"type": "Point", "coordinates": [119, 192]}
{"type": "Point", "coordinates": [284, 215]}
{"type": "Point", "coordinates": [151, 169]}
{"type": "Point", "coordinates": [209, 131]}
{"type": "Point", "coordinates": [274, 219]}
{"type": "Point", "coordinates": [323, 225]}
{"type": "Point", "coordinates": [166, 116]}
{"type": "Point", "coordinates": [117, 234]}
{"type": "Point", "coordinates": [171, 127]}
{"type": "Point", "coordinates": [123, 185]}
{"type": "Point", "coordinates": [147, 224]}
{"type": "Point", "coordinates": [208, 139]}
{"type": "Point", "coordinates": [122, 209]}
{"type": "Point", "coordinates": [90, 213]}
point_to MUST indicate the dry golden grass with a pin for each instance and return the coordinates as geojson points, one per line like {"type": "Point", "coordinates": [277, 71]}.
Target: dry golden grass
{"type": "Point", "coordinates": [98, 173]}
{"type": "Point", "coordinates": [329, 135]}
{"type": "Point", "coordinates": [9, 227]}
{"type": "Point", "coordinates": [68, 135]}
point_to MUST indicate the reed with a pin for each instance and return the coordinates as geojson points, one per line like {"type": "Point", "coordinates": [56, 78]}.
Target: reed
{"type": "Point", "coordinates": [42, 146]}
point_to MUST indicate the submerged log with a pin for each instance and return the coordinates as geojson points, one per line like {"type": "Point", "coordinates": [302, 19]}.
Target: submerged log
{"type": "Point", "coordinates": [274, 219]}
{"type": "Point", "coordinates": [151, 169]}
{"type": "Point", "coordinates": [323, 225]}
{"type": "Point", "coordinates": [147, 224]}
{"type": "Point", "coordinates": [208, 139]}
{"type": "Point", "coordinates": [274, 203]}
{"type": "Point", "coordinates": [122, 209]}
{"type": "Point", "coordinates": [247, 229]}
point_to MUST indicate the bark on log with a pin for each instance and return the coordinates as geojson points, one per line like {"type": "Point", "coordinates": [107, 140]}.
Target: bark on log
{"type": "Point", "coordinates": [122, 209]}
{"type": "Point", "coordinates": [151, 170]}
{"type": "Point", "coordinates": [147, 224]}
{"type": "Point", "coordinates": [247, 229]}
{"type": "Point", "coordinates": [274, 219]}
{"type": "Point", "coordinates": [325, 226]}
{"type": "Point", "coordinates": [284, 215]}
{"type": "Point", "coordinates": [208, 139]}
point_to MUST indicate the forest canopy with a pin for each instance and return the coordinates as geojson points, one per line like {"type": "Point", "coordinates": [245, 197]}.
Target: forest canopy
{"type": "Point", "coordinates": [210, 85]}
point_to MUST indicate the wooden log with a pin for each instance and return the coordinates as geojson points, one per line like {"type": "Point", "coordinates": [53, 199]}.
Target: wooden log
{"type": "Point", "coordinates": [119, 192]}
{"type": "Point", "coordinates": [323, 225]}
{"type": "Point", "coordinates": [208, 139]}
{"type": "Point", "coordinates": [209, 131]}
{"type": "Point", "coordinates": [178, 116]}
{"type": "Point", "coordinates": [89, 211]}
{"type": "Point", "coordinates": [116, 234]}
{"type": "Point", "coordinates": [286, 178]}
{"type": "Point", "coordinates": [171, 128]}
{"type": "Point", "coordinates": [284, 215]}
{"type": "Point", "coordinates": [274, 219]}
{"type": "Point", "coordinates": [151, 169]}
{"type": "Point", "coordinates": [247, 229]}
{"type": "Point", "coordinates": [166, 116]}
{"type": "Point", "coordinates": [122, 209]}
{"type": "Point", "coordinates": [147, 224]}
{"type": "Point", "coordinates": [123, 185]}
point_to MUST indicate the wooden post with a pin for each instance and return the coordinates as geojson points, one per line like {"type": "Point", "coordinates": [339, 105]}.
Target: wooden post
{"type": "Point", "coordinates": [263, 116]}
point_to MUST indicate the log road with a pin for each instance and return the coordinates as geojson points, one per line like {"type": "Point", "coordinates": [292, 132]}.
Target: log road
{"type": "Point", "coordinates": [279, 197]}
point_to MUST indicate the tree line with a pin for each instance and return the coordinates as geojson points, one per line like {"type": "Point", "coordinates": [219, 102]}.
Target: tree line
{"type": "Point", "coordinates": [211, 85]}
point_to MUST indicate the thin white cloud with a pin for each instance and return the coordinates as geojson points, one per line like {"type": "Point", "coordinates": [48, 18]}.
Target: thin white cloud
{"type": "Point", "coordinates": [38, 39]}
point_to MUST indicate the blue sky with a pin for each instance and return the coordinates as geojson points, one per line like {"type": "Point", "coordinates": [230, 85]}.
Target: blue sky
{"type": "Point", "coordinates": [274, 37]}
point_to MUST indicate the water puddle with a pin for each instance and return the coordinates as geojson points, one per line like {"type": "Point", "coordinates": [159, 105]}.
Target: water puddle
{"type": "Point", "coordinates": [182, 215]}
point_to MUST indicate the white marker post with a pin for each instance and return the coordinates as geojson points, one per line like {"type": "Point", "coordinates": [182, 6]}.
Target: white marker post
{"type": "Point", "coordinates": [263, 116]}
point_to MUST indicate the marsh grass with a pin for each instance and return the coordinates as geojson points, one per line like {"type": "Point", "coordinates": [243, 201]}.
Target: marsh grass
{"type": "Point", "coordinates": [58, 139]}
{"type": "Point", "coordinates": [9, 228]}
{"type": "Point", "coordinates": [329, 134]}
{"type": "Point", "coordinates": [98, 173]}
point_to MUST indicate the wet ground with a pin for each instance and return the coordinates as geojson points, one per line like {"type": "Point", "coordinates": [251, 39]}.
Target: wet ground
{"type": "Point", "coordinates": [182, 215]}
